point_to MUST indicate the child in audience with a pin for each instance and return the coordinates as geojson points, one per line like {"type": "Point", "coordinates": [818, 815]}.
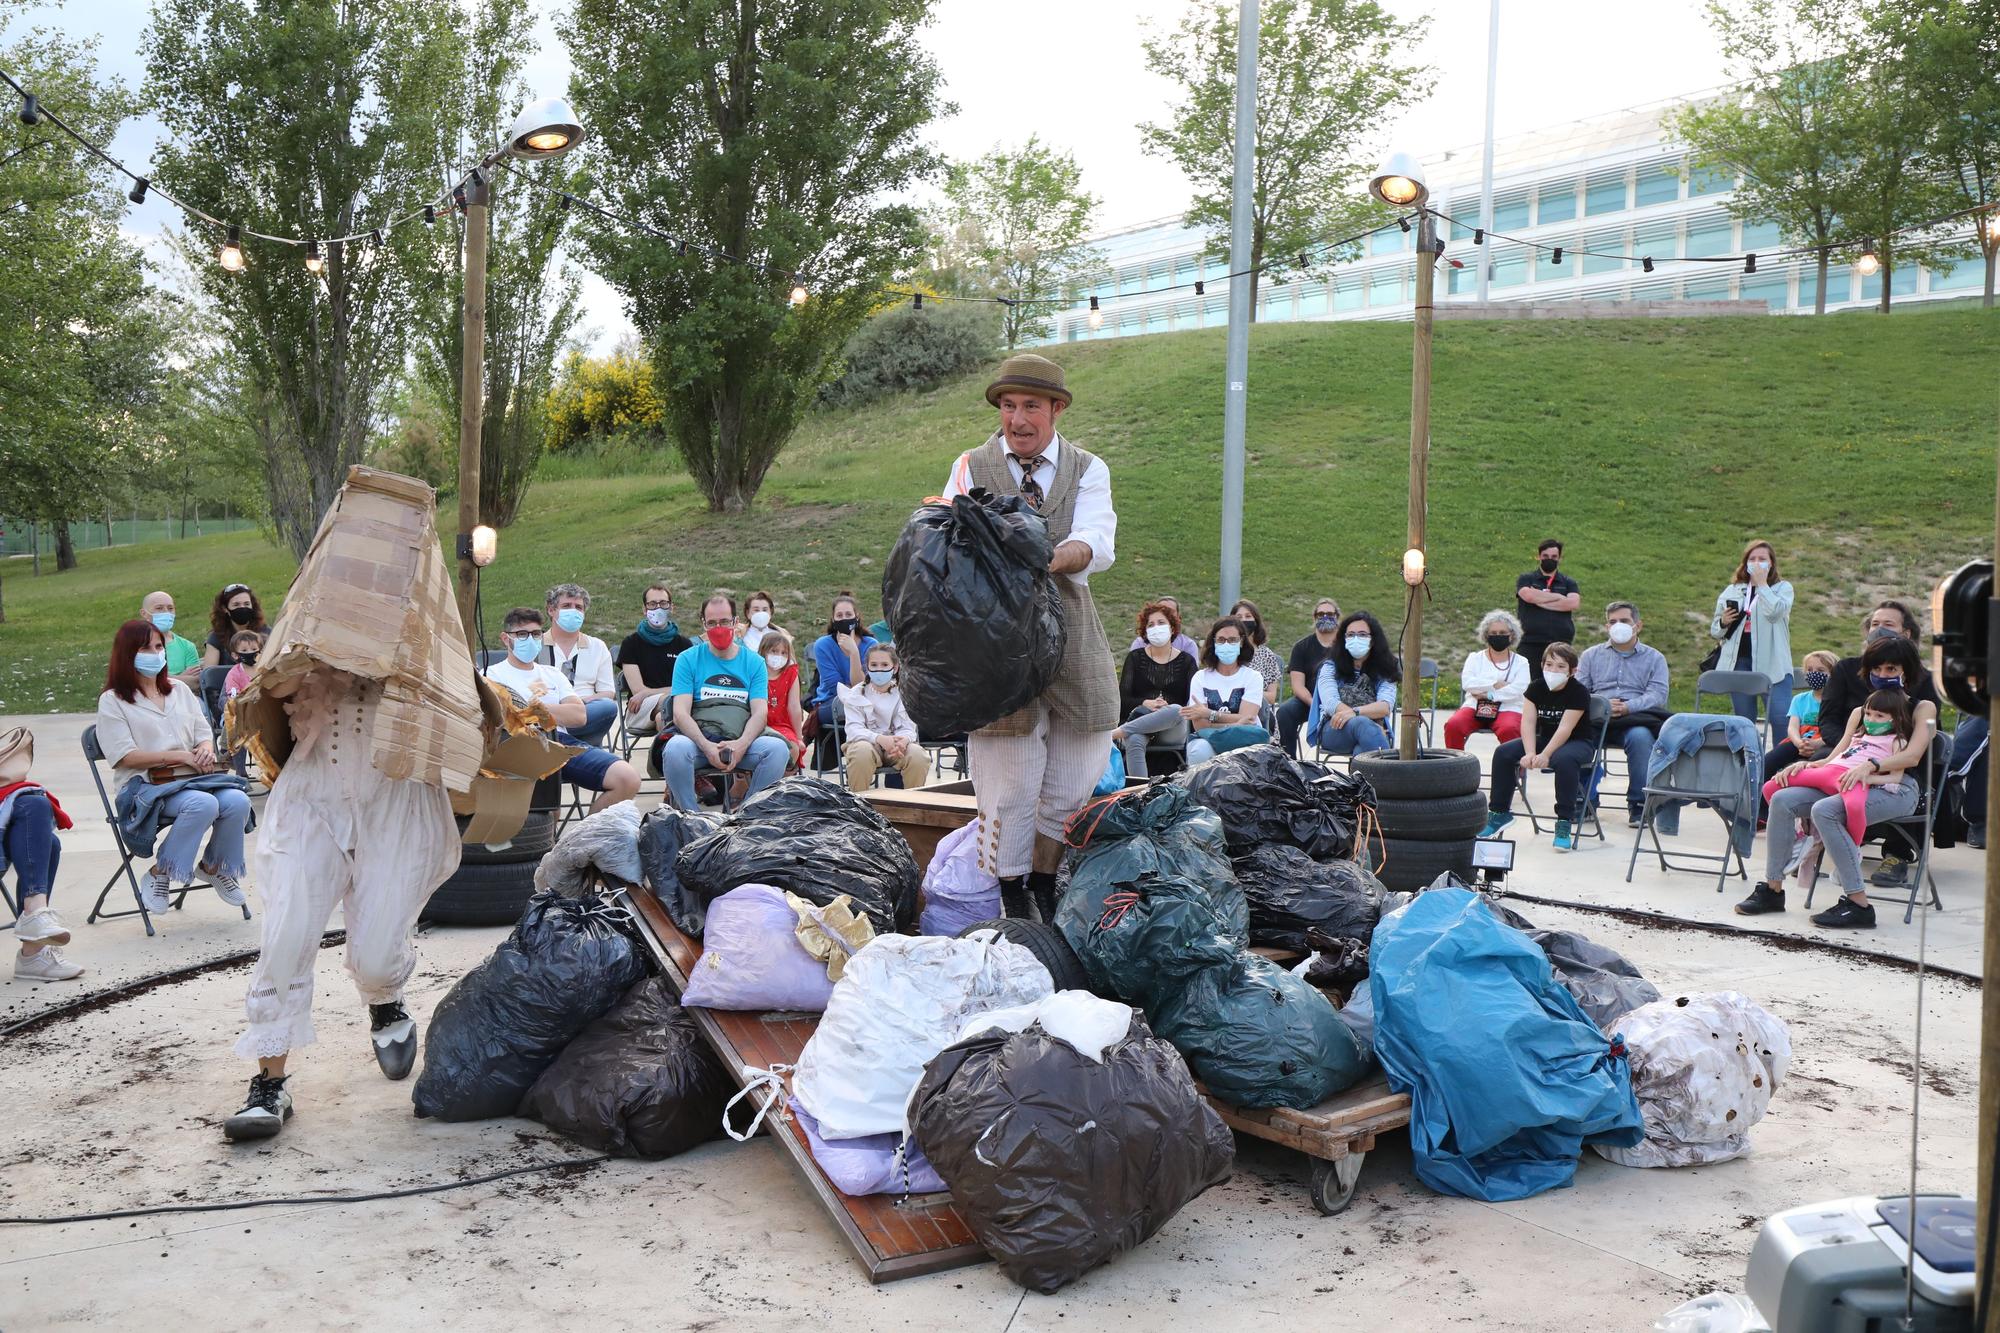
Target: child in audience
{"type": "Point", "coordinates": [879, 729]}
{"type": "Point", "coordinates": [786, 715]}
{"type": "Point", "coordinates": [1887, 724]}
{"type": "Point", "coordinates": [1803, 729]}
{"type": "Point", "coordinates": [244, 646]}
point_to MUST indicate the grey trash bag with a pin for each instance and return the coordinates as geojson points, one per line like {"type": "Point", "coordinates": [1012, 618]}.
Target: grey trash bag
{"type": "Point", "coordinates": [1605, 984]}
{"type": "Point", "coordinates": [607, 841]}
{"type": "Point", "coordinates": [662, 834]}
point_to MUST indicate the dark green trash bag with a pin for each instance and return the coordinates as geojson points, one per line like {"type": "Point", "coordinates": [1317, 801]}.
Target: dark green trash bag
{"type": "Point", "coordinates": [1141, 942]}
{"type": "Point", "coordinates": [1155, 830]}
{"type": "Point", "coordinates": [1256, 1035]}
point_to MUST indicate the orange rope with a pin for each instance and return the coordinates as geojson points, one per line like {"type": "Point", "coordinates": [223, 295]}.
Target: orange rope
{"type": "Point", "coordinates": [1116, 905]}
{"type": "Point", "coordinates": [1367, 824]}
{"type": "Point", "coordinates": [1096, 810]}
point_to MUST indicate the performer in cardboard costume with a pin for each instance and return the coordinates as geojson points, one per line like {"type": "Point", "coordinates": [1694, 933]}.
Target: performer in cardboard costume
{"type": "Point", "coordinates": [364, 716]}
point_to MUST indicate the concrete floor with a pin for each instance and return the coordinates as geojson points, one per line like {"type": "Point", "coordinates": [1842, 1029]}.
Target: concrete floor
{"type": "Point", "coordinates": [119, 1107]}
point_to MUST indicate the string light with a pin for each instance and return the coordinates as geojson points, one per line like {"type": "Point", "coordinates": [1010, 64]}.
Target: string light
{"type": "Point", "coordinates": [1404, 223]}
{"type": "Point", "coordinates": [458, 197]}
{"type": "Point", "coordinates": [1647, 263]}
{"type": "Point", "coordinates": [231, 256]}
{"type": "Point", "coordinates": [138, 194]}
{"type": "Point", "coordinates": [1303, 261]}
{"type": "Point", "coordinates": [1993, 228]}
{"type": "Point", "coordinates": [798, 297]}
{"type": "Point", "coordinates": [1479, 235]}
{"type": "Point", "coordinates": [375, 238]}
{"type": "Point", "coordinates": [430, 214]}
{"type": "Point", "coordinates": [1096, 316]}
{"type": "Point", "coordinates": [1557, 257]}
{"type": "Point", "coordinates": [1750, 263]}
{"type": "Point", "coordinates": [1200, 287]}
{"type": "Point", "coordinates": [314, 263]}
{"type": "Point", "coordinates": [1868, 265]}
{"type": "Point", "coordinates": [31, 110]}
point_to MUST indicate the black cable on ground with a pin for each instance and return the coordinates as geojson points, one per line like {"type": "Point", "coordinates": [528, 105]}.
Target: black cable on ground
{"type": "Point", "coordinates": [1661, 920]}
{"type": "Point", "coordinates": [239, 1204]}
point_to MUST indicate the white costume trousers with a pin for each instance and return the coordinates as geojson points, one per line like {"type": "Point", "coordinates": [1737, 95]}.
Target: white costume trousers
{"type": "Point", "coordinates": [337, 832]}
{"type": "Point", "coordinates": [1031, 784]}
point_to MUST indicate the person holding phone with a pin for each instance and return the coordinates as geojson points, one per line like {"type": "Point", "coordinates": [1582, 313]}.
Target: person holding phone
{"type": "Point", "coordinates": [1753, 630]}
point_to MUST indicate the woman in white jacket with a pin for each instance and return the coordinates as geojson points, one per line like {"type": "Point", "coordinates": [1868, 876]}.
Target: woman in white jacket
{"type": "Point", "coordinates": [1753, 623]}
{"type": "Point", "coordinates": [1494, 682]}
{"type": "Point", "coordinates": [879, 729]}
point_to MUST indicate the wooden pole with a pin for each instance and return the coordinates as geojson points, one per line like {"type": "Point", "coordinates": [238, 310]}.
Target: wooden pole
{"type": "Point", "coordinates": [1420, 462]}
{"type": "Point", "coordinates": [471, 387]}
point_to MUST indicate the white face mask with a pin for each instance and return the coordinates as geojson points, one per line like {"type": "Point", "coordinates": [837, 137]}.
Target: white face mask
{"type": "Point", "coordinates": [760, 619]}
{"type": "Point", "coordinates": [1760, 566]}
{"type": "Point", "coordinates": [776, 661]}
{"type": "Point", "coordinates": [1556, 679]}
{"type": "Point", "coordinates": [1622, 632]}
{"type": "Point", "coordinates": [1159, 635]}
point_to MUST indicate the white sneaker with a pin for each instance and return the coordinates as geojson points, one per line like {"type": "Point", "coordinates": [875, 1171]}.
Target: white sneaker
{"type": "Point", "coordinates": [227, 887]}
{"type": "Point", "coordinates": [264, 1112]}
{"type": "Point", "coordinates": [153, 890]}
{"type": "Point", "coordinates": [43, 927]}
{"type": "Point", "coordinates": [45, 965]}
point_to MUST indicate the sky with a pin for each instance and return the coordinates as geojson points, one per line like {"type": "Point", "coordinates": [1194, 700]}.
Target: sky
{"type": "Point", "coordinates": [1073, 73]}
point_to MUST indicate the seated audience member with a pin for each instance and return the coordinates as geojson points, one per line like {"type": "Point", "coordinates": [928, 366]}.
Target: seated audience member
{"type": "Point", "coordinates": [1264, 662]}
{"type": "Point", "coordinates": [785, 716]}
{"type": "Point", "coordinates": [584, 660]}
{"type": "Point", "coordinates": [151, 729]}
{"type": "Point", "coordinates": [1869, 775]}
{"type": "Point", "coordinates": [1494, 681]}
{"type": "Point", "coordinates": [1356, 693]}
{"type": "Point", "coordinates": [530, 679]}
{"type": "Point", "coordinates": [234, 610]}
{"type": "Point", "coordinates": [1802, 723]}
{"type": "Point", "coordinates": [879, 729]}
{"type": "Point", "coordinates": [839, 656]}
{"type": "Point", "coordinates": [244, 646]}
{"type": "Point", "coordinates": [1890, 661]}
{"type": "Point", "coordinates": [758, 611]}
{"type": "Point", "coordinates": [1632, 677]}
{"type": "Point", "coordinates": [1551, 738]}
{"type": "Point", "coordinates": [1968, 763]}
{"type": "Point", "coordinates": [646, 660]}
{"type": "Point", "coordinates": [722, 704]}
{"type": "Point", "coordinates": [30, 818]}
{"type": "Point", "coordinates": [1181, 641]}
{"type": "Point", "coordinates": [1225, 698]}
{"type": "Point", "coordinates": [183, 658]}
{"type": "Point", "coordinates": [1546, 600]}
{"type": "Point", "coordinates": [1153, 688]}
{"type": "Point", "coordinates": [1302, 672]}
{"type": "Point", "coordinates": [880, 632]}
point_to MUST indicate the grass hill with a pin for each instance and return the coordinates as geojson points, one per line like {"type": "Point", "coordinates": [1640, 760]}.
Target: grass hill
{"type": "Point", "coordinates": [1862, 446]}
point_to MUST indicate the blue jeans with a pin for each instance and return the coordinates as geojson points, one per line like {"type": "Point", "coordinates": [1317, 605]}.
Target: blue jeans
{"type": "Point", "coordinates": [599, 714]}
{"type": "Point", "coordinates": [194, 813]}
{"type": "Point", "coordinates": [32, 848]}
{"type": "Point", "coordinates": [1779, 711]}
{"type": "Point", "coordinates": [1360, 733]}
{"type": "Point", "coordinates": [765, 763]}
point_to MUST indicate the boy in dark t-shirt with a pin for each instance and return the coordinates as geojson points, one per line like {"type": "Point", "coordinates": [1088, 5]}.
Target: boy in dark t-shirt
{"type": "Point", "coordinates": [1546, 600]}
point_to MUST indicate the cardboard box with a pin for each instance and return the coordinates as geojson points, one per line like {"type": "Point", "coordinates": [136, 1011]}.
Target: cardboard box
{"type": "Point", "coordinates": [520, 750]}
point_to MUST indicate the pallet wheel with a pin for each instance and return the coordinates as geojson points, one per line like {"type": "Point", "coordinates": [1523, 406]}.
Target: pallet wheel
{"type": "Point", "coordinates": [1333, 1182]}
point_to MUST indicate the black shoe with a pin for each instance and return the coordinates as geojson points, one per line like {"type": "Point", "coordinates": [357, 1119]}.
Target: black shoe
{"type": "Point", "coordinates": [1976, 837]}
{"type": "Point", "coordinates": [1893, 873]}
{"type": "Point", "coordinates": [1762, 899]}
{"type": "Point", "coordinates": [1847, 914]}
{"type": "Point", "coordinates": [1042, 887]}
{"type": "Point", "coordinates": [1014, 899]}
{"type": "Point", "coordinates": [393, 1033]}
{"type": "Point", "coordinates": [1634, 818]}
{"type": "Point", "coordinates": [264, 1112]}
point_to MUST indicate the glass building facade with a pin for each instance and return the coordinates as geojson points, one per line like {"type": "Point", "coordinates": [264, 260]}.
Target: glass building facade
{"type": "Point", "coordinates": [1615, 184]}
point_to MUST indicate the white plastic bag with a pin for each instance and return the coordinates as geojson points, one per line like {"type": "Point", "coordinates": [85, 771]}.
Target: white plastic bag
{"type": "Point", "coordinates": [957, 891]}
{"type": "Point", "coordinates": [901, 1001]}
{"type": "Point", "coordinates": [1704, 1068]}
{"type": "Point", "coordinates": [1086, 1022]}
{"type": "Point", "coordinates": [608, 840]}
{"type": "Point", "coordinates": [1717, 1312]}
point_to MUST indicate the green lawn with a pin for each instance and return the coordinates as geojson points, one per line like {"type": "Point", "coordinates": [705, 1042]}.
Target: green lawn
{"type": "Point", "coordinates": [1863, 447]}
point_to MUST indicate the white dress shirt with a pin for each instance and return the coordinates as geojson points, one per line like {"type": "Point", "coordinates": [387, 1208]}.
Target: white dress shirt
{"type": "Point", "coordinates": [592, 675]}
{"type": "Point", "coordinates": [1092, 522]}
{"type": "Point", "coordinates": [176, 722]}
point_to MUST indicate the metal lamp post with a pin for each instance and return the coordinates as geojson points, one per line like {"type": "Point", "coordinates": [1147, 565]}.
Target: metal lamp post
{"type": "Point", "coordinates": [1399, 182]}
{"type": "Point", "coordinates": [548, 128]}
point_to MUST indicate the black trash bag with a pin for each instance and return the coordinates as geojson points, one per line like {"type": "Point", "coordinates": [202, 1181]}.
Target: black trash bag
{"type": "Point", "coordinates": [1266, 798]}
{"type": "Point", "coordinates": [1336, 964]}
{"type": "Point", "coordinates": [1291, 894]}
{"type": "Point", "coordinates": [639, 1082]}
{"type": "Point", "coordinates": [1140, 941]}
{"type": "Point", "coordinates": [1256, 1035]}
{"type": "Point", "coordinates": [1155, 830]}
{"type": "Point", "coordinates": [813, 838]}
{"type": "Point", "coordinates": [975, 614]}
{"type": "Point", "coordinates": [1059, 1163]}
{"type": "Point", "coordinates": [662, 834]}
{"type": "Point", "coordinates": [565, 965]}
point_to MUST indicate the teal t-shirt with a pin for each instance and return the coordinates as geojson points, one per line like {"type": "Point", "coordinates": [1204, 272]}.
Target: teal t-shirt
{"type": "Point", "coordinates": [719, 682]}
{"type": "Point", "coordinates": [1806, 709]}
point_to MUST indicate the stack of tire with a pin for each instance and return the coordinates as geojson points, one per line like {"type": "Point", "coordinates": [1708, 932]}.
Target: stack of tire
{"type": "Point", "coordinates": [492, 885]}
{"type": "Point", "coordinates": [1431, 811]}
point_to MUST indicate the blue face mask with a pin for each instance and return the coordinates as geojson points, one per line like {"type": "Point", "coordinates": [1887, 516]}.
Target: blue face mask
{"type": "Point", "coordinates": [526, 648]}
{"type": "Point", "coordinates": [881, 677]}
{"type": "Point", "coordinates": [1879, 682]}
{"type": "Point", "coordinates": [163, 621]}
{"type": "Point", "coordinates": [569, 619]}
{"type": "Point", "coordinates": [1816, 680]}
{"type": "Point", "coordinates": [1227, 653]}
{"type": "Point", "coordinates": [150, 664]}
{"type": "Point", "coordinates": [1358, 648]}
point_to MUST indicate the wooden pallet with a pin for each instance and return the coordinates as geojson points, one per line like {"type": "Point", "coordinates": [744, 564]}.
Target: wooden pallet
{"type": "Point", "coordinates": [892, 1237]}
{"type": "Point", "coordinates": [1337, 1134]}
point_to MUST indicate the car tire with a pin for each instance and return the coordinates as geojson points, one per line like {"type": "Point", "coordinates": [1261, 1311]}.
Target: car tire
{"type": "Point", "coordinates": [483, 894]}
{"type": "Point", "coordinates": [1412, 864]}
{"type": "Point", "coordinates": [1433, 773]}
{"type": "Point", "coordinates": [1046, 943]}
{"type": "Point", "coordinates": [1438, 819]}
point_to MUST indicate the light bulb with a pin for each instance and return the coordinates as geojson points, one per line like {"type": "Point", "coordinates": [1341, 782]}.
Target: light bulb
{"type": "Point", "coordinates": [1868, 265]}
{"type": "Point", "coordinates": [485, 545]}
{"type": "Point", "coordinates": [1096, 319]}
{"type": "Point", "coordinates": [231, 256]}
{"type": "Point", "coordinates": [313, 261]}
{"type": "Point", "coordinates": [1993, 228]}
{"type": "Point", "coordinates": [798, 297]}
{"type": "Point", "coordinates": [1398, 190]}
{"type": "Point", "coordinates": [1413, 566]}
{"type": "Point", "coordinates": [549, 141]}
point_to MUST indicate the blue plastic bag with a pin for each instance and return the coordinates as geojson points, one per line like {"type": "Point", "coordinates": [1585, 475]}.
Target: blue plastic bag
{"type": "Point", "coordinates": [1507, 1078]}
{"type": "Point", "coordinates": [1114, 774]}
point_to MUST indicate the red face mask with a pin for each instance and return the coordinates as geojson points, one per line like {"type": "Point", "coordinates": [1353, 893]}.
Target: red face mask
{"type": "Point", "coordinates": [720, 637]}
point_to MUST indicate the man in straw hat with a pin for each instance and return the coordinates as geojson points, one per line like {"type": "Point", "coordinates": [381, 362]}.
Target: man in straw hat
{"type": "Point", "coordinates": [1033, 769]}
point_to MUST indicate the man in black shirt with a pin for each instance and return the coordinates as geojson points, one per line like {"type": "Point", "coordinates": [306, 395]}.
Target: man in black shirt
{"type": "Point", "coordinates": [1548, 601]}
{"type": "Point", "coordinates": [1303, 670]}
{"type": "Point", "coordinates": [646, 661]}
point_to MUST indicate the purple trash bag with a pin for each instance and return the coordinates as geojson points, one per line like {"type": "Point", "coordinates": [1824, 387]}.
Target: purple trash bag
{"type": "Point", "coordinates": [957, 892]}
{"type": "Point", "coordinates": [868, 1165]}
{"type": "Point", "coordinates": [751, 959]}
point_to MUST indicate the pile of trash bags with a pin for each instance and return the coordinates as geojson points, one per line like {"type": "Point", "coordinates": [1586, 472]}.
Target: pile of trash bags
{"type": "Point", "coordinates": [958, 892]}
{"type": "Point", "coordinates": [1291, 896]}
{"type": "Point", "coordinates": [805, 836]}
{"type": "Point", "coordinates": [1704, 1068]}
{"type": "Point", "coordinates": [974, 611]}
{"type": "Point", "coordinates": [1604, 983]}
{"type": "Point", "coordinates": [752, 957]}
{"type": "Point", "coordinates": [1154, 911]}
{"type": "Point", "coordinates": [1268, 799]}
{"type": "Point", "coordinates": [1068, 1134]}
{"type": "Point", "coordinates": [1508, 1077]}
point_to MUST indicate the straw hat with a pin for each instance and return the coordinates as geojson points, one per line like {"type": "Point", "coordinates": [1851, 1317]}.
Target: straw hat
{"type": "Point", "coordinates": [1028, 373]}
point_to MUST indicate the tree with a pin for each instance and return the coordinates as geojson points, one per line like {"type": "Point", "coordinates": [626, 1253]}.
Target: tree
{"type": "Point", "coordinates": [1016, 225]}
{"type": "Point", "coordinates": [602, 396]}
{"type": "Point", "coordinates": [1329, 74]}
{"type": "Point", "coordinates": [1789, 127]}
{"type": "Point", "coordinates": [308, 120]}
{"type": "Point", "coordinates": [775, 132]}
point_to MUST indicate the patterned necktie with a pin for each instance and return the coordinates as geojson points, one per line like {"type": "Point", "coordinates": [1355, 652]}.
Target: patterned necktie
{"type": "Point", "coordinates": [1031, 491]}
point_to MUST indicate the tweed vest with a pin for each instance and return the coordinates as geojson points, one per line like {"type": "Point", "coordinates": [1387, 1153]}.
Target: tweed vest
{"type": "Point", "coordinates": [1085, 691]}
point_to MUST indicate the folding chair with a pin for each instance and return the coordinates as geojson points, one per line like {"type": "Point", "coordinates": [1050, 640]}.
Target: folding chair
{"type": "Point", "coordinates": [949, 754]}
{"type": "Point", "coordinates": [653, 770]}
{"type": "Point", "coordinates": [1427, 670]}
{"type": "Point", "coordinates": [1708, 778]}
{"type": "Point", "coordinates": [1753, 683]}
{"type": "Point", "coordinates": [1918, 824]}
{"type": "Point", "coordinates": [211, 699]}
{"type": "Point", "coordinates": [1583, 820]}
{"type": "Point", "coordinates": [126, 856]}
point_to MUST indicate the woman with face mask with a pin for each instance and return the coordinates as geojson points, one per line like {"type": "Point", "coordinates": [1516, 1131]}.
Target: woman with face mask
{"type": "Point", "coordinates": [1152, 689]}
{"type": "Point", "coordinates": [1753, 630]}
{"type": "Point", "coordinates": [840, 658]}
{"type": "Point", "coordinates": [1264, 662]}
{"type": "Point", "coordinates": [1225, 698]}
{"type": "Point", "coordinates": [758, 613]}
{"type": "Point", "coordinates": [1356, 693]}
{"type": "Point", "coordinates": [1494, 681]}
{"type": "Point", "coordinates": [234, 610]}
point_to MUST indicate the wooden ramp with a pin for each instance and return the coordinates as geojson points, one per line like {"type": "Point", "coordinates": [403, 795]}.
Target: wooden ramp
{"type": "Point", "coordinates": [892, 1237]}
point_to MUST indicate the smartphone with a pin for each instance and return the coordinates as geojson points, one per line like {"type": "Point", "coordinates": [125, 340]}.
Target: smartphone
{"type": "Point", "coordinates": [1732, 606]}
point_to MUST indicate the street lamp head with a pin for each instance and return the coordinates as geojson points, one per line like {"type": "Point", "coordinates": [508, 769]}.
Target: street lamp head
{"type": "Point", "coordinates": [485, 545]}
{"type": "Point", "coordinates": [1399, 182]}
{"type": "Point", "coordinates": [547, 128]}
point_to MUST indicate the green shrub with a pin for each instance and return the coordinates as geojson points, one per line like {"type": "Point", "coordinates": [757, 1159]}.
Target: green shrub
{"type": "Point", "coordinates": [905, 349]}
